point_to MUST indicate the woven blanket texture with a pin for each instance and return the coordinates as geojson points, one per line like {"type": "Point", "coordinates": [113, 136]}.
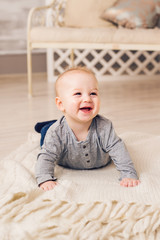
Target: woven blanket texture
{"type": "Point", "coordinates": [85, 204]}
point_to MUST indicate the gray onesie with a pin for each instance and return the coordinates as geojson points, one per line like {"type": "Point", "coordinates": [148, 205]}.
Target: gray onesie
{"type": "Point", "coordinates": [101, 145]}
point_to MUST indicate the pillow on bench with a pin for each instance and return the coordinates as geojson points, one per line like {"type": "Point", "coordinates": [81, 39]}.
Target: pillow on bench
{"type": "Point", "coordinates": [133, 13]}
{"type": "Point", "coordinates": [86, 13]}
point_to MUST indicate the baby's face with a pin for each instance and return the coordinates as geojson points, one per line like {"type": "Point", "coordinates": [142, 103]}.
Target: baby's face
{"type": "Point", "coordinates": [78, 96]}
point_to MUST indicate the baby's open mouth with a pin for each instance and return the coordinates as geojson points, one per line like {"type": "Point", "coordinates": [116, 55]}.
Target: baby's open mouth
{"type": "Point", "coordinates": [86, 109]}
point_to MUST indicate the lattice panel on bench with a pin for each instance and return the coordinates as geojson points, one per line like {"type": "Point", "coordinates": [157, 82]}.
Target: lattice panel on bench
{"type": "Point", "coordinates": [109, 62]}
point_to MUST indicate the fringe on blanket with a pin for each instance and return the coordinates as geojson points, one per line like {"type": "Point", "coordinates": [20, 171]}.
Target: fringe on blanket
{"type": "Point", "coordinates": [35, 216]}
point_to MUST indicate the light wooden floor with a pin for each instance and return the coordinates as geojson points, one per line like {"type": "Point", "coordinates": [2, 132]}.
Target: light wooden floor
{"type": "Point", "coordinates": [132, 105]}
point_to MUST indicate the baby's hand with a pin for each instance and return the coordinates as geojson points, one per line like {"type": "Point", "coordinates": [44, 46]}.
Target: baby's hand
{"type": "Point", "coordinates": [129, 182]}
{"type": "Point", "coordinates": [49, 185]}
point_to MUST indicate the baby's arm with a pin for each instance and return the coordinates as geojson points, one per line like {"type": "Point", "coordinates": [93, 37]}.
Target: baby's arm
{"type": "Point", "coordinates": [129, 182]}
{"type": "Point", "coordinates": [122, 160]}
{"type": "Point", "coordinates": [49, 185]}
{"type": "Point", "coordinates": [46, 160]}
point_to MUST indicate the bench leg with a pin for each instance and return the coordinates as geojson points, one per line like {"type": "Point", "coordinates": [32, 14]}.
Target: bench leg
{"type": "Point", "coordinates": [29, 70]}
{"type": "Point", "coordinates": [50, 65]}
{"type": "Point", "coordinates": [72, 57]}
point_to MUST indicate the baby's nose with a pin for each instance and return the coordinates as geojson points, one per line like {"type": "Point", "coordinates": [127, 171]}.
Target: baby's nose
{"type": "Point", "coordinates": [87, 98]}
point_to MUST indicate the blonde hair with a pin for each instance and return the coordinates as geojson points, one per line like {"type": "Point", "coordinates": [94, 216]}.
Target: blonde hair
{"type": "Point", "coordinates": [72, 69]}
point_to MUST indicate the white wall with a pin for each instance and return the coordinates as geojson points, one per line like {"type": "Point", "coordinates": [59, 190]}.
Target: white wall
{"type": "Point", "coordinates": [13, 24]}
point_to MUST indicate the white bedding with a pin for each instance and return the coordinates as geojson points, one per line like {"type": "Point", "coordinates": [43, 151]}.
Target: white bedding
{"type": "Point", "coordinates": [85, 204]}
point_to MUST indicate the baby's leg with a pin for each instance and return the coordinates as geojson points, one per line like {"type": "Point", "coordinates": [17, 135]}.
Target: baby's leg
{"type": "Point", "coordinates": [38, 127]}
{"type": "Point", "coordinates": [42, 127]}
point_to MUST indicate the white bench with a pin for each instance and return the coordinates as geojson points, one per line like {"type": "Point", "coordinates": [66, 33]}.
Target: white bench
{"type": "Point", "coordinates": [45, 30]}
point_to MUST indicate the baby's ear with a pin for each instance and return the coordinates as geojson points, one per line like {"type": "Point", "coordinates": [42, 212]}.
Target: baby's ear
{"type": "Point", "coordinates": [59, 104]}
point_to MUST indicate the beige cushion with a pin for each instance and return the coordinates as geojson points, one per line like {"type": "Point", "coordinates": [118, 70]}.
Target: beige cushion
{"type": "Point", "coordinates": [86, 13]}
{"type": "Point", "coordinates": [133, 13]}
{"type": "Point", "coordinates": [95, 35]}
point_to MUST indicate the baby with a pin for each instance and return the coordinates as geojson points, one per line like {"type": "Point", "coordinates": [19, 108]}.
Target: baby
{"type": "Point", "coordinates": [81, 138]}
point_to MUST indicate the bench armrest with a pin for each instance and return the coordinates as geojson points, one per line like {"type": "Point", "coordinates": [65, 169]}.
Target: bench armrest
{"type": "Point", "coordinates": [45, 15]}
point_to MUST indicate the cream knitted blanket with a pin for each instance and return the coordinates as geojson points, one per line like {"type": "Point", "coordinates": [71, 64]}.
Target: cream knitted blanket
{"type": "Point", "coordinates": [85, 205]}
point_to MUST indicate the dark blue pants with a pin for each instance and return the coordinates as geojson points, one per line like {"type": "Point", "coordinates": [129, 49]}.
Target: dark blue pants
{"type": "Point", "coordinates": [42, 127]}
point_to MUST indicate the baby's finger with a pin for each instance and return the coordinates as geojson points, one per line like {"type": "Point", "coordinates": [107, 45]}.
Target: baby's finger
{"type": "Point", "coordinates": [131, 183]}
{"type": "Point", "coordinates": [124, 183]}
{"type": "Point", "coordinates": [136, 182]}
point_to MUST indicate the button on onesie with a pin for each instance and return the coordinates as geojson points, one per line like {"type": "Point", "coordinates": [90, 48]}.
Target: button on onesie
{"type": "Point", "coordinates": [86, 154]}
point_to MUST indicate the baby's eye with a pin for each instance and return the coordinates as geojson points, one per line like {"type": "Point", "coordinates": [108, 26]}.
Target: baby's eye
{"type": "Point", "coordinates": [93, 93]}
{"type": "Point", "coordinates": [77, 93]}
